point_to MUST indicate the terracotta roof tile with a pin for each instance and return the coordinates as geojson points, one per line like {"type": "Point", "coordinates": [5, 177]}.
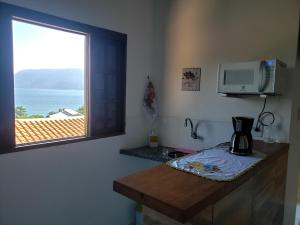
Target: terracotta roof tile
{"type": "Point", "coordinates": [37, 130]}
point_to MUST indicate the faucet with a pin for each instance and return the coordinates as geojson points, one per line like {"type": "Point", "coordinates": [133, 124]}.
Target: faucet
{"type": "Point", "coordinates": [194, 134]}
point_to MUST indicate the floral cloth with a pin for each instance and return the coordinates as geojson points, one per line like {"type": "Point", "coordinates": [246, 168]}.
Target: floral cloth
{"type": "Point", "coordinates": [216, 163]}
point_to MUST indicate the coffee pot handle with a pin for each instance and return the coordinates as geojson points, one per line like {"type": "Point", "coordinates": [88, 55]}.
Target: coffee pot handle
{"type": "Point", "coordinates": [234, 122]}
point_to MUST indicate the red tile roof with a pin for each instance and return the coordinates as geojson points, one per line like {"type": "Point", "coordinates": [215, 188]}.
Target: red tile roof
{"type": "Point", "coordinates": [38, 130]}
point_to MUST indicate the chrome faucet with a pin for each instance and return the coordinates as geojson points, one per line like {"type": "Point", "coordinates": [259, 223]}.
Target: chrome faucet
{"type": "Point", "coordinates": [194, 134]}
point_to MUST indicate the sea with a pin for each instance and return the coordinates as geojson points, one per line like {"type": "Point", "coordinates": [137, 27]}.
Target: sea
{"type": "Point", "coordinates": [43, 101]}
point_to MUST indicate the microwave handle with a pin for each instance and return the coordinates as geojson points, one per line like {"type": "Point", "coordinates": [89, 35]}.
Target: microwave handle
{"type": "Point", "coordinates": [263, 81]}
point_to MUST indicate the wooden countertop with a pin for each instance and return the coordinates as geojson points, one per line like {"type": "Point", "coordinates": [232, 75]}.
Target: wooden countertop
{"type": "Point", "coordinates": [181, 195]}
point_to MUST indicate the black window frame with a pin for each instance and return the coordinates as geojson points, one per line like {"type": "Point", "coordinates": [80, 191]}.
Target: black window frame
{"type": "Point", "coordinates": [106, 77]}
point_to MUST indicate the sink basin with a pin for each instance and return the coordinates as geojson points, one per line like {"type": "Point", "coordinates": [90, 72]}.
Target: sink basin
{"type": "Point", "coordinates": [176, 154]}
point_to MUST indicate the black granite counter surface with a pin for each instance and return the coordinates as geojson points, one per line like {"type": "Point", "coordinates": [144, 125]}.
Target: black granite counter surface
{"type": "Point", "coordinates": [160, 154]}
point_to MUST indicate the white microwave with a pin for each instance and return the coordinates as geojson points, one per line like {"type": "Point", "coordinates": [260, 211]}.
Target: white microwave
{"type": "Point", "coordinates": [263, 77]}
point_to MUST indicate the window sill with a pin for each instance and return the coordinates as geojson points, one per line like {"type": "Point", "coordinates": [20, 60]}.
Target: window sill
{"type": "Point", "coordinates": [48, 144]}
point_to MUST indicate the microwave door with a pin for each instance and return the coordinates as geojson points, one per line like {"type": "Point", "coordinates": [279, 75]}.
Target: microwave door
{"type": "Point", "coordinates": [239, 78]}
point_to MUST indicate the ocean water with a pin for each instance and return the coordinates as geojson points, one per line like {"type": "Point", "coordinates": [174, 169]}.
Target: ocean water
{"type": "Point", "coordinates": [42, 101]}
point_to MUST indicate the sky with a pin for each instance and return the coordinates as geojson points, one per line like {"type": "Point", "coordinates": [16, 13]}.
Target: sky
{"type": "Point", "coordinates": [38, 47]}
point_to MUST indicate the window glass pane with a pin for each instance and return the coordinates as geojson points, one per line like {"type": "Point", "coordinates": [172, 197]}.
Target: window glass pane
{"type": "Point", "coordinates": [49, 79]}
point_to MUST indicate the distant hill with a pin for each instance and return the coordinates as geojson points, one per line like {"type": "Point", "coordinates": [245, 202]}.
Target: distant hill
{"type": "Point", "coordinates": [72, 79]}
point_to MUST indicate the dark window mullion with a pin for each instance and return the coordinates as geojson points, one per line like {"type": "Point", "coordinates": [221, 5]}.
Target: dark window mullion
{"type": "Point", "coordinates": [108, 76]}
{"type": "Point", "coordinates": [7, 128]}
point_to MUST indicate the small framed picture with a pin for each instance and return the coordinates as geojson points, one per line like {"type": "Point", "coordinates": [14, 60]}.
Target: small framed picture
{"type": "Point", "coordinates": [191, 79]}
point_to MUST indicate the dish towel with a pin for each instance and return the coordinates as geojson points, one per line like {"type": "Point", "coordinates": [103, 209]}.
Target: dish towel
{"type": "Point", "coordinates": [216, 163]}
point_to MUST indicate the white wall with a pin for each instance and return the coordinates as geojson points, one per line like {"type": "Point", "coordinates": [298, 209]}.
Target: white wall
{"type": "Point", "coordinates": [200, 33]}
{"type": "Point", "coordinates": [72, 184]}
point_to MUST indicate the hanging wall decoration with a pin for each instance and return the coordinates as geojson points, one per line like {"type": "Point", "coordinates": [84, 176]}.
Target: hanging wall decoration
{"type": "Point", "coordinates": [149, 102]}
{"type": "Point", "coordinates": [191, 79]}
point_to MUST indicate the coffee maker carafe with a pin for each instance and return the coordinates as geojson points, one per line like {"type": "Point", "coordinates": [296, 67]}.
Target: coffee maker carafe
{"type": "Point", "coordinates": [241, 140]}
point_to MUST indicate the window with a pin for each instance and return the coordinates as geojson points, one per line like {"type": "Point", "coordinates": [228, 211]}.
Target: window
{"type": "Point", "coordinates": [60, 81]}
{"type": "Point", "coordinates": [49, 83]}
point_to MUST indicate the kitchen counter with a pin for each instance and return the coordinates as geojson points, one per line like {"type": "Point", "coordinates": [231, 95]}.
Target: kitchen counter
{"type": "Point", "coordinates": [180, 196]}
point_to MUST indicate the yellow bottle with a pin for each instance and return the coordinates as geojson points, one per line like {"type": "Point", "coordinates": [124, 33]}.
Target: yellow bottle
{"type": "Point", "coordinates": [153, 140]}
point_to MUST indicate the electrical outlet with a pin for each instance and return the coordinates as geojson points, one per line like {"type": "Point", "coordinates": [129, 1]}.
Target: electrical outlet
{"type": "Point", "coordinates": [257, 134]}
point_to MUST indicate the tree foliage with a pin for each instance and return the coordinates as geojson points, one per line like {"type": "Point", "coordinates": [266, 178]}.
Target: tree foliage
{"type": "Point", "coordinates": [81, 110]}
{"type": "Point", "coordinates": [21, 113]}
{"type": "Point", "coordinates": [50, 113]}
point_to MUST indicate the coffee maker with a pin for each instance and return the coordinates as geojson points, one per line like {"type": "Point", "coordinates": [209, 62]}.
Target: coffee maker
{"type": "Point", "coordinates": [241, 140]}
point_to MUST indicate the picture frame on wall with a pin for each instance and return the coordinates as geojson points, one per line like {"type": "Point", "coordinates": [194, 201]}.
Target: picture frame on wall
{"type": "Point", "coordinates": [191, 79]}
